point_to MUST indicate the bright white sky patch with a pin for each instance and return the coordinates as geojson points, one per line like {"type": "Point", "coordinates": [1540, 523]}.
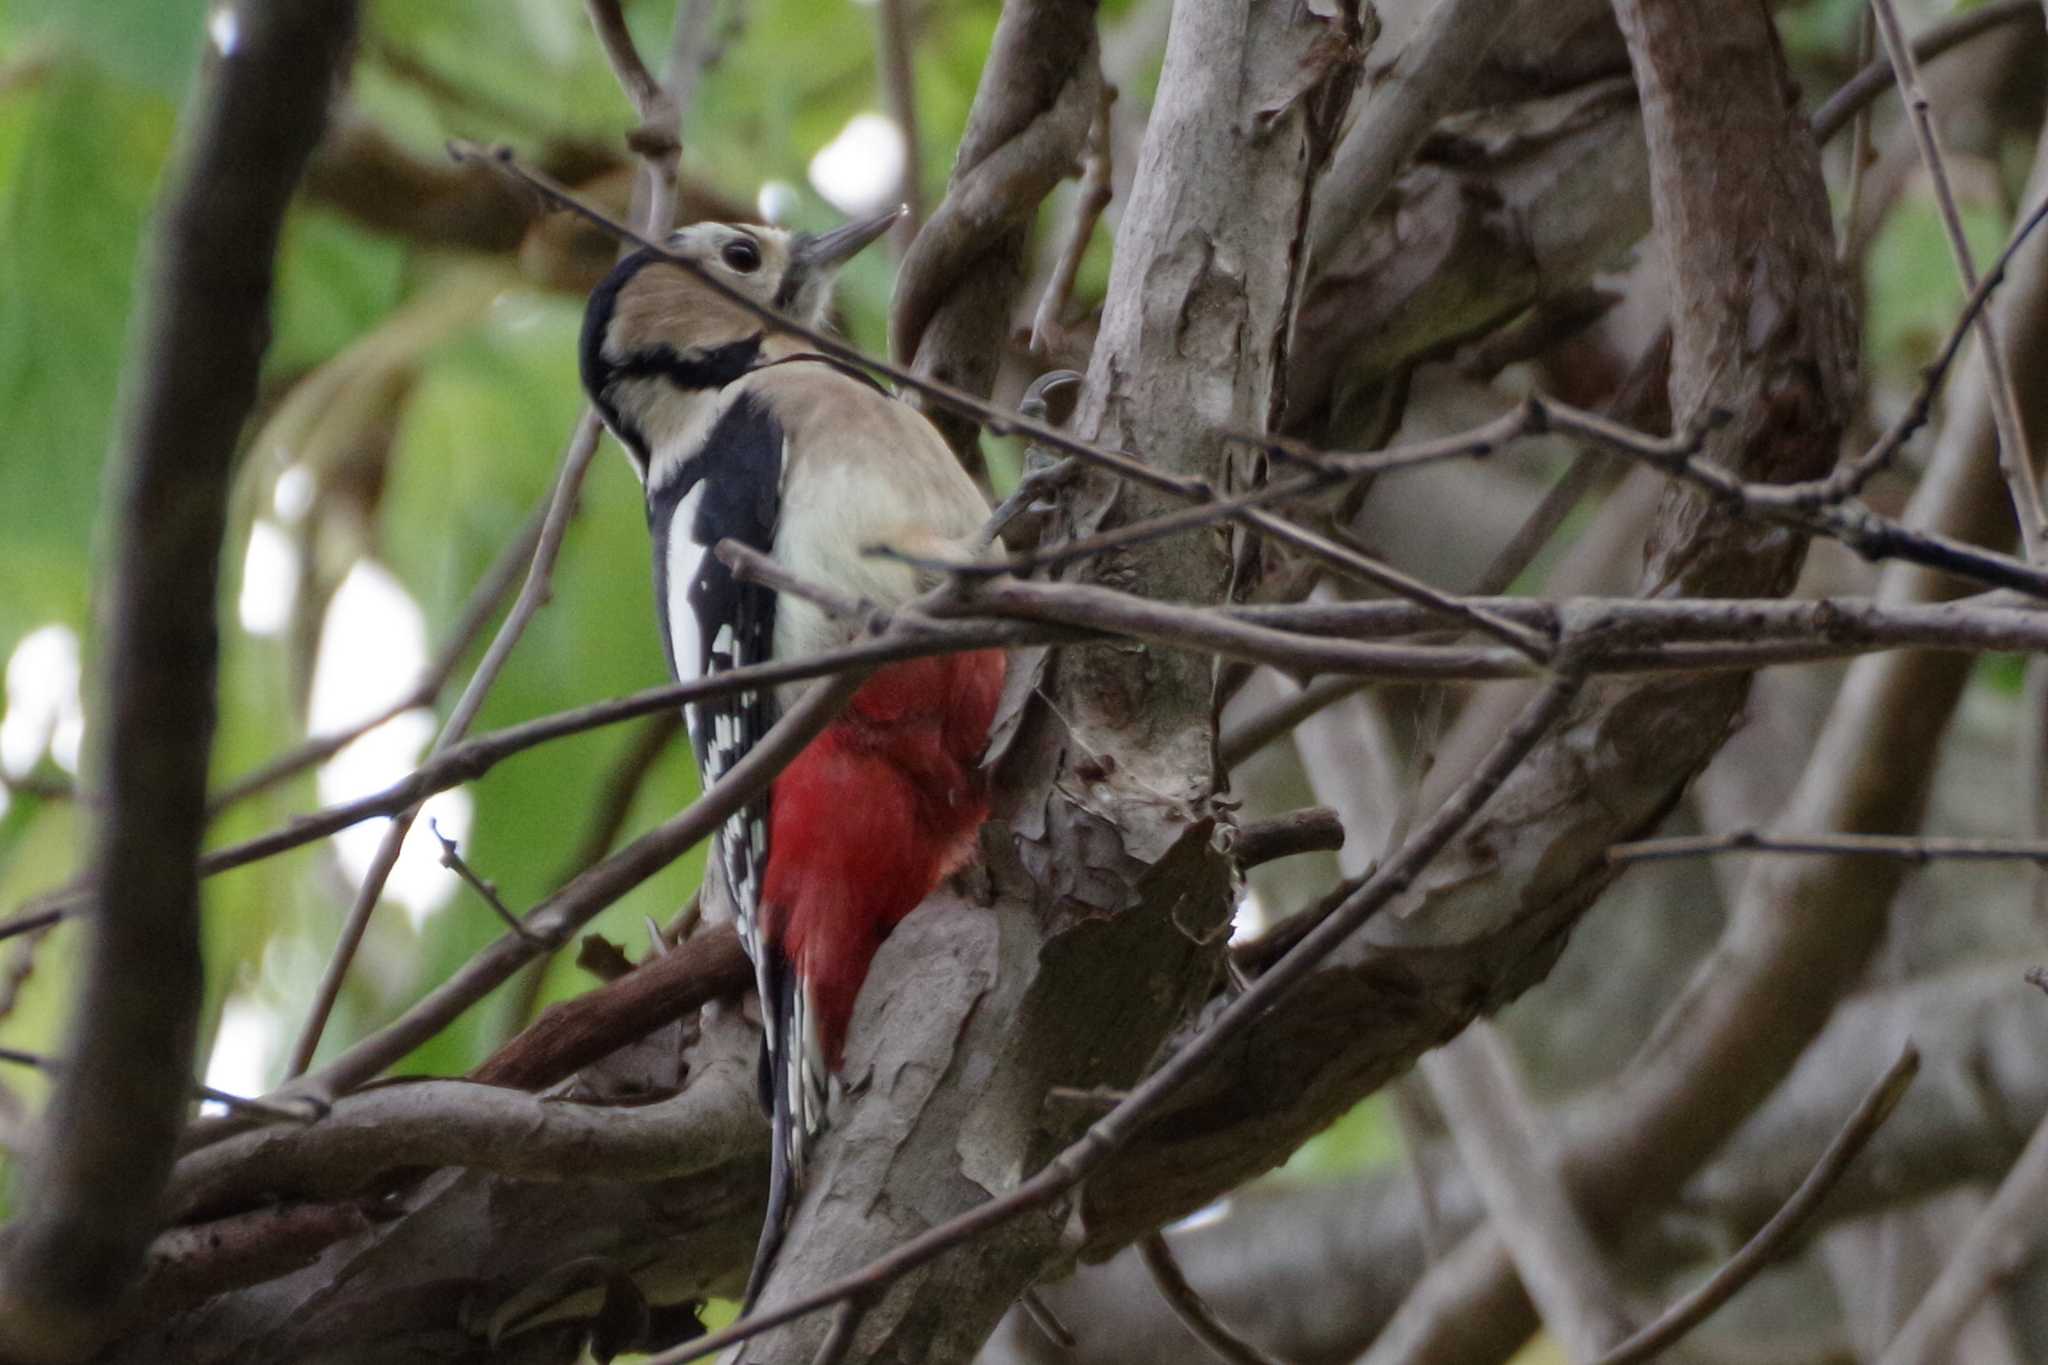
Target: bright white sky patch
{"type": "Point", "coordinates": [776, 200]}
{"type": "Point", "coordinates": [292, 497]}
{"type": "Point", "coordinates": [373, 649]}
{"type": "Point", "coordinates": [270, 580]}
{"type": "Point", "coordinates": [1202, 1217]}
{"type": "Point", "coordinates": [44, 713]}
{"type": "Point", "coordinates": [1252, 918]}
{"type": "Point", "coordinates": [244, 1049]}
{"type": "Point", "coordinates": [861, 170]}
{"type": "Point", "coordinates": [224, 26]}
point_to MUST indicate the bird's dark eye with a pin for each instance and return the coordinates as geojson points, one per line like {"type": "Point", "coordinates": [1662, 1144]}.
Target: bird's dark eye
{"type": "Point", "coordinates": [743, 256]}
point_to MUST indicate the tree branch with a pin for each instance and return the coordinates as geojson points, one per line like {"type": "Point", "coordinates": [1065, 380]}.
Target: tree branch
{"type": "Point", "coordinates": [89, 1202]}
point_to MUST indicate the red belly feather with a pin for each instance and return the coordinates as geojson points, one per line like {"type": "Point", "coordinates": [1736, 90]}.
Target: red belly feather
{"type": "Point", "coordinates": [872, 816]}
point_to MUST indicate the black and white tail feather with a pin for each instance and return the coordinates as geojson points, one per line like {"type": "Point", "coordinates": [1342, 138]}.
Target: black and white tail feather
{"type": "Point", "coordinates": [718, 494]}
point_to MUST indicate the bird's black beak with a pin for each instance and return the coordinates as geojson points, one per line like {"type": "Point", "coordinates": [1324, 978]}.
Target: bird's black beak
{"type": "Point", "coordinates": [827, 251]}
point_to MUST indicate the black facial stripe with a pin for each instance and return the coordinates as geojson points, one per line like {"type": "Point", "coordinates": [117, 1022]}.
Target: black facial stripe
{"type": "Point", "coordinates": [708, 369]}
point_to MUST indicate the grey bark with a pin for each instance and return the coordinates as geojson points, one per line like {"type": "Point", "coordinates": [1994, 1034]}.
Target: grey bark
{"type": "Point", "coordinates": [1109, 887]}
{"type": "Point", "coordinates": [1762, 332]}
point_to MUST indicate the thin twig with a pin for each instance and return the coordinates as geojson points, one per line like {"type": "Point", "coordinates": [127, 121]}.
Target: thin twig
{"type": "Point", "coordinates": [1261, 728]}
{"type": "Point", "coordinates": [1861, 152]}
{"type": "Point", "coordinates": [646, 93]}
{"type": "Point", "coordinates": [483, 603]}
{"type": "Point", "coordinates": [1619, 636]}
{"type": "Point", "coordinates": [1193, 1310]}
{"type": "Point", "coordinates": [533, 594]}
{"type": "Point", "coordinates": [303, 1112]}
{"type": "Point", "coordinates": [451, 858]}
{"type": "Point", "coordinates": [1856, 93]}
{"type": "Point", "coordinates": [560, 915]}
{"type": "Point", "coordinates": [845, 1322]}
{"type": "Point", "coordinates": [1091, 197]}
{"type": "Point", "coordinates": [995, 419]}
{"type": "Point", "coordinates": [1109, 1133]}
{"type": "Point", "coordinates": [1046, 1321]}
{"type": "Point", "coordinates": [1682, 1316]}
{"type": "Point", "coordinates": [2014, 454]}
{"type": "Point", "coordinates": [1898, 848]}
{"type": "Point", "coordinates": [1500, 1137]}
{"type": "Point", "coordinates": [1807, 507]}
{"type": "Point", "coordinates": [895, 48]}
{"type": "Point", "coordinates": [624, 779]}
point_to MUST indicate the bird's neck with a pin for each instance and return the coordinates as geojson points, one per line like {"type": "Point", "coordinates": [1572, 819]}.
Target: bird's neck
{"type": "Point", "coordinates": [683, 418]}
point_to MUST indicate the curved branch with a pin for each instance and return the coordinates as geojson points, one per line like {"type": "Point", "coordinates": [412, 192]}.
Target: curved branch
{"type": "Point", "coordinates": [368, 1136]}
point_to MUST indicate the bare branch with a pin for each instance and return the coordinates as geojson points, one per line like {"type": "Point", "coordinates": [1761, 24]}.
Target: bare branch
{"type": "Point", "coordinates": [1803, 931]}
{"type": "Point", "coordinates": [1193, 1312]}
{"type": "Point", "coordinates": [1500, 1137]}
{"type": "Point", "coordinates": [666, 987]}
{"type": "Point", "coordinates": [657, 143]}
{"type": "Point", "coordinates": [1039, 90]}
{"type": "Point", "coordinates": [533, 593]}
{"type": "Point", "coordinates": [1856, 93]}
{"type": "Point", "coordinates": [554, 919]}
{"type": "Point", "coordinates": [1900, 847]}
{"type": "Point", "coordinates": [2015, 456]}
{"type": "Point", "coordinates": [895, 46]}
{"type": "Point", "coordinates": [1313, 830]}
{"type": "Point", "coordinates": [2003, 1239]}
{"type": "Point", "coordinates": [1408, 95]}
{"type": "Point", "coordinates": [461, 1123]}
{"type": "Point", "coordinates": [89, 1195]}
{"type": "Point", "coordinates": [1771, 1239]}
{"type": "Point", "coordinates": [1091, 197]}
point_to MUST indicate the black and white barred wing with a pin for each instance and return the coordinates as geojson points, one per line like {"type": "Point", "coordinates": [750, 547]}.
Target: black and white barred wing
{"type": "Point", "coordinates": [713, 622]}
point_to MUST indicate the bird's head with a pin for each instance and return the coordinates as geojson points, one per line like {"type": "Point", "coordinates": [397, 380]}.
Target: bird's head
{"type": "Point", "coordinates": [654, 333]}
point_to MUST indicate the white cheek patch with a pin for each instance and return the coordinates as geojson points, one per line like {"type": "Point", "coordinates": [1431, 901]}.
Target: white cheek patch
{"type": "Point", "coordinates": [685, 561]}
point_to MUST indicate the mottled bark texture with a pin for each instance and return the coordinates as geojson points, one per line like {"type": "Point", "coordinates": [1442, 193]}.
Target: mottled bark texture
{"type": "Point", "coordinates": [89, 1196]}
{"type": "Point", "coordinates": [1762, 332]}
{"type": "Point", "coordinates": [1111, 894]}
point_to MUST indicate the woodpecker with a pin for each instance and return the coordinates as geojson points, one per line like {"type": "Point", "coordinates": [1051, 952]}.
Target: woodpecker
{"type": "Point", "coordinates": [738, 432]}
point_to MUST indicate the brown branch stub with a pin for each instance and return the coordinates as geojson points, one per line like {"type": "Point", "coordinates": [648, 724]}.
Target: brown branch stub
{"type": "Point", "coordinates": [666, 987]}
{"type": "Point", "coordinates": [91, 1192]}
{"type": "Point", "coordinates": [1313, 829]}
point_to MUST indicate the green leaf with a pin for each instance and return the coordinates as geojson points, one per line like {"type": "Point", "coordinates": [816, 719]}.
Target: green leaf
{"type": "Point", "coordinates": [72, 213]}
{"type": "Point", "coordinates": [153, 45]}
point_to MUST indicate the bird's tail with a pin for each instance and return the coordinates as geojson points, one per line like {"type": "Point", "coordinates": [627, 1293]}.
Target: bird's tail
{"type": "Point", "coordinates": [789, 1135]}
